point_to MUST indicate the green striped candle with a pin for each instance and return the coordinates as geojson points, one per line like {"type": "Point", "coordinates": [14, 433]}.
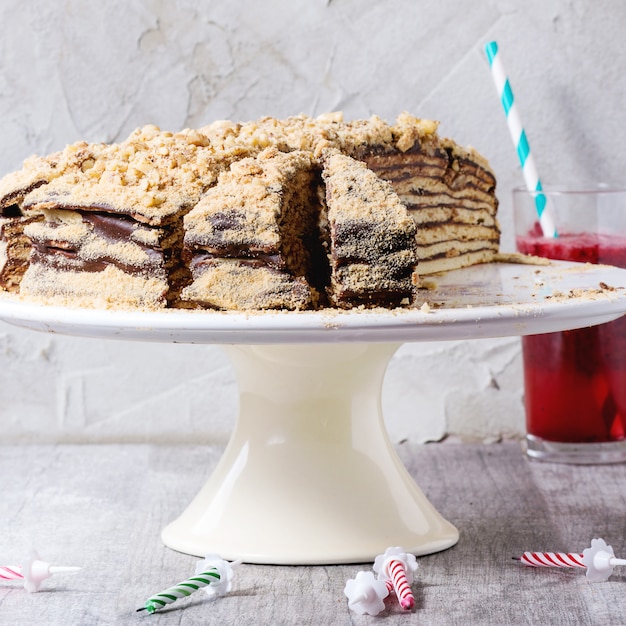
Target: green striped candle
{"type": "Point", "coordinates": [520, 140]}
{"type": "Point", "coordinates": [212, 574]}
{"type": "Point", "coordinates": [181, 590]}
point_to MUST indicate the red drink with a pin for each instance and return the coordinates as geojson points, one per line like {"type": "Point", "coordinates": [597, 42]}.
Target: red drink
{"type": "Point", "coordinates": [575, 381]}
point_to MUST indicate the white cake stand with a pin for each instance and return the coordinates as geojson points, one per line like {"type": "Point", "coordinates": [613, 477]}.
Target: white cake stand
{"type": "Point", "coordinates": [309, 475]}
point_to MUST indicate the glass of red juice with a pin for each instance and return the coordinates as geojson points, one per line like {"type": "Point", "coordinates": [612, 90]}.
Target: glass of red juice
{"type": "Point", "coordinates": [575, 381]}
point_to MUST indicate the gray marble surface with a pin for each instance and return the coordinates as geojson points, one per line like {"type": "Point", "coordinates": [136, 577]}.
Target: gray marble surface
{"type": "Point", "coordinates": [102, 507]}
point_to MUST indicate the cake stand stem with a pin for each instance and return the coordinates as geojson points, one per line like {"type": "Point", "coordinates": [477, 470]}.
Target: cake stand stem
{"type": "Point", "coordinates": [309, 475]}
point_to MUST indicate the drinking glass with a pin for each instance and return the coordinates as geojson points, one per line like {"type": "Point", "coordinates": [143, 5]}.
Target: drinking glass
{"type": "Point", "coordinates": [575, 381]}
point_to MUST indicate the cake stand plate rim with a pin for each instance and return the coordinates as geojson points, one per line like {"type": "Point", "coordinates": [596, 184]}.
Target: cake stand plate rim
{"type": "Point", "coordinates": [490, 300]}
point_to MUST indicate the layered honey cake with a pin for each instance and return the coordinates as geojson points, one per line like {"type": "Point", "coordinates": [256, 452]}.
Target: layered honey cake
{"type": "Point", "coordinates": [288, 214]}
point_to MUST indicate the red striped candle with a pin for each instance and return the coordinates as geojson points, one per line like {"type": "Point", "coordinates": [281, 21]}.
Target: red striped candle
{"type": "Point", "coordinates": [33, 572]}
{"type": "Point", "coordinates": [401, 584]}
{"type": "Point", "coordinates": [11, 572]}
{"type": "Point", "coordinates": [552, 559]}
{"type": "Point", "coordinates": [396, 567]}
{"type": "Point", "coordinates": [599, 560]}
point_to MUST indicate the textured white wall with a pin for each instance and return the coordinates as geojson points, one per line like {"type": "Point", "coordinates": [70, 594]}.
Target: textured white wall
{"type": "Point", "coordinates": [95, 71]}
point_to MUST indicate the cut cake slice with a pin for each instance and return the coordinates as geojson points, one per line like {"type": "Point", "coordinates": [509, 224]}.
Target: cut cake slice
{"type": "Point", "coordinates": [251, 242]}
{"type": "Point", "coordinates": [372, 249]}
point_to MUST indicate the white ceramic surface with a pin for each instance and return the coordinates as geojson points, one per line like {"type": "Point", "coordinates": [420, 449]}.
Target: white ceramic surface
{"type": "Point", "coordinates": [309, 475]}
{"type": "Point", "coordinates": [493, 300]}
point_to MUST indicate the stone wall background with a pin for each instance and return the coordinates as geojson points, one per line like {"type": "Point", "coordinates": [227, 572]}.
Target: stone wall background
{"type": "Point", "coordinates": [95, 71]}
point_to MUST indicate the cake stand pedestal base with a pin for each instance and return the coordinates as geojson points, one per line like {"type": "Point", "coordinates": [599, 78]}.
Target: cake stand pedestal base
{"type": "Point", "coordinates": [309, 475]}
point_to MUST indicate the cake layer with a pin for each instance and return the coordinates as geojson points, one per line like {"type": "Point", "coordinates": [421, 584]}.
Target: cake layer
{"type": "Point", "coordinates": [35, 172]}
{"type": "Point", "coordinates": [388, 284]}
{"type": "Point", "coordinates": [15, 249]}
{"type": "Point", "coordinates": [240, 285]}
{"type": "Point", "coordinates": [151, 177]}
{"type": "Point", "coordinates": [447, 263]}
{"type": "Point", "coordinates": [109, 288]}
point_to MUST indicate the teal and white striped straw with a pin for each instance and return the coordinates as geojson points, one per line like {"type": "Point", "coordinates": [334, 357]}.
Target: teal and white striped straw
{"type": "Point", "coordinates": [520, 141]}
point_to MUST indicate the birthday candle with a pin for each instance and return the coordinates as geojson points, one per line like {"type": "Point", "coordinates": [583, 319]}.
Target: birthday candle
{"type": "Point", "coordinates": [551, 559]}
{"type": "Point", "coordinates": [11, 572]}
{"type": "Point", "coordinates": [397, 567]}
{"type": "Point", "coordinates": [213, 574]}
{"type": "Point", "coordinates": [181, 590]}
{"type": "Point", "coordinates": [33, 572]}
{"type": "Point", "coordinates": [599, 560]}
{"type": "Point", "coordinates": [401, 584]}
